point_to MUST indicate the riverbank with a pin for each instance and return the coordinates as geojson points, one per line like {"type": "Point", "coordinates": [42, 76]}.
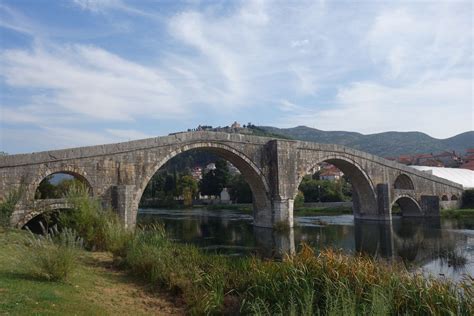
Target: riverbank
{"type": "Point", "coordinates": [96, 287]}
{"type": "Point", "coordinates": [458, 213]}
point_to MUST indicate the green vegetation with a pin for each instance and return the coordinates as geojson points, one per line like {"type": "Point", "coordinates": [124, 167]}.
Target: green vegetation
{"type": "Point", "coordinates": [52, 256]}
{"type": "Point", "coordinates": [8, 206]}
{"type": "Point", "coordinates": [315, 190]}
{"type": "Point", "coordinates": [47, 189]}
{"type": "Point", "coordinates": [307, 211]}
{"type": "Point", "coordinates": [327, 283]}
{"type": "Point", "coordinates": [94, 287]}
{"type": "Point", "coordinates": [165, 188]}
{"type": "Point", "coordinates": [459, 213]}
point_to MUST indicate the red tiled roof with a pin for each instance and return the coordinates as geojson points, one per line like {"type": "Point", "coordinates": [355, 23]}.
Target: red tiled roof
{"type": "Point", "coordinates": [468, 165]}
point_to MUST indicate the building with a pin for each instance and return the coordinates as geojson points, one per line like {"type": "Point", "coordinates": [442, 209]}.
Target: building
{"type": "Point", "coordinates": [196, 173]}
{"type": "Point", "coordinates": [330, 173]}
{"type": "Point", "coordinates": [448, 159]}
{"type": "Point", "coordinates": [235, 125]}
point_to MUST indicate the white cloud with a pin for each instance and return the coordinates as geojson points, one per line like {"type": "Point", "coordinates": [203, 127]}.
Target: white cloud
{"type": "Point", "coordinates": [432, 107]}
{"type": "Point", "coordinates": [93, 82]}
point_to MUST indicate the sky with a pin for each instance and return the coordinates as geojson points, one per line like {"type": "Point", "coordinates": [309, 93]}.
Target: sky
{"type": "Point", "coordinates": [85, 72]}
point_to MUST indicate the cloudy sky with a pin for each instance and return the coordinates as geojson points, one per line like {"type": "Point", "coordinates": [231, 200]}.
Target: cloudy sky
{"type": "Point", "coordinates": [84, 72]}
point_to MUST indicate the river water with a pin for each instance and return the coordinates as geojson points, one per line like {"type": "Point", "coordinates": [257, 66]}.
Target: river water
{"type": "Point", "coordinates": [443, 248]}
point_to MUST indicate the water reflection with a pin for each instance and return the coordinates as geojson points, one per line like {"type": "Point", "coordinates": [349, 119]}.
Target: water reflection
{"type": "Point", "coordinates": [443, 248]}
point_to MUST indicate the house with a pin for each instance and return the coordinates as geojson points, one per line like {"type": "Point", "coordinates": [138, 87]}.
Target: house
{"type": "Point", "coordinates": [431, 163]}
{"type": "Point", "coordinates": [196, 173]}
{"type": "Point", "coordinates": [468, 165]}
{"type": "Point", "coordinates": [405, 159]}
{"type": "Point", "coordinates": [331, 173]}
{"type": "Point", "coordinates": [209, 167]}
{"type": "Point", "coordinates": [235, 125]}
{"type": "Point", "coordinates": [448, 159]}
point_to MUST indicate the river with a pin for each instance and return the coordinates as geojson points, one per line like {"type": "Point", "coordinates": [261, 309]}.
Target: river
{"type": "Point", "coordinates": [442, 248]}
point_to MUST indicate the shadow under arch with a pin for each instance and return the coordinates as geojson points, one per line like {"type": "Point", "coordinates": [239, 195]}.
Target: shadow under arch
{"type": "Point", "coordinates": [249, 170]}
{"type": "Point", "coordinates": [408, 206]}
{"type": "Point", "coordinates": [364, 201]}
{"type": "Point", "coordinates": [403, 182]}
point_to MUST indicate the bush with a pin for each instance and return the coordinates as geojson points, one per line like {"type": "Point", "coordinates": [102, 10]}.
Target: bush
{"type": "Point", "coordinates": [8, 206]}
{"type": "Point", "coordinates": [88, 218]}
{"type": "Point", "coordinates": [52, 256]}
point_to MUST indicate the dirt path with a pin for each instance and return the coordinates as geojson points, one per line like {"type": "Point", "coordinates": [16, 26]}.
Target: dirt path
{"type": "Point", "coordinates": [122, 295]}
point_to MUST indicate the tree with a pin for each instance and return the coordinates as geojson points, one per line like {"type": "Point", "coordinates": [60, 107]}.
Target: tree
{"type": "Point", "coordinates": [188, 188]}
{"type": "Point", "coordinates": [240, 191]}
{"type": "Point", "coordinates": [215, 180]}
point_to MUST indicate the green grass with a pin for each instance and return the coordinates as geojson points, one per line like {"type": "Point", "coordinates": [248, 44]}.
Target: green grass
{"type": "Point", "coordinates": [458, 213]}
{"type": "Point", "coordinates": [92, 289]}
{"type": "Point", "coordinates": [308, 211]}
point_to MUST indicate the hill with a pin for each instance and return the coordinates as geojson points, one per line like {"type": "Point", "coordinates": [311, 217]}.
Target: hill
{"type": "Point", "coordinates": [385, 144]}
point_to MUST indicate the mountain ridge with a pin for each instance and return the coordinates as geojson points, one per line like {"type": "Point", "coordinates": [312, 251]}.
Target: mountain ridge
{"type": "Point", "coordinates": [385, 144]}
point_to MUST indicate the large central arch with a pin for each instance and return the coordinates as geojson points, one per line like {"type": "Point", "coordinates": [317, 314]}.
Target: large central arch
{"type": "Point", "coordinates": [251, 173]}
{"type": "Point", "coordinates": [364, 201]}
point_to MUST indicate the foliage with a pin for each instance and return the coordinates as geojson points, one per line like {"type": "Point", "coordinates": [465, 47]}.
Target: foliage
{"type": "Point", "coordinates": [52, 256]}
{"type": "Point", "coordinates": [215, 180]}
{"type": "Point", "coordinates": [240, 191]}
{"type": "Point", "coordinates": [187, 187]}
{"type": "Point", "coordinates": [48, 190]}
{"type": "Point", "coordinates": [324, 190]}
{"type": "Point", "coordinates": [299, 199]}
{"type": "Point", "coordinates": [87, 217]}
{"type": "Point", "coordinates": [329, 283]}
{"type": "Point", "coordinates": [468, 199]}
{"type": "Point", "coordinates": [7, 207]}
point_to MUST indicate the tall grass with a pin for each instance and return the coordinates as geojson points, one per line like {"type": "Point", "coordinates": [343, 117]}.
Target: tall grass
{"type": "Point", "coordinates": [8, 206]}
{"type": "Point", "coordinates": [89, 219]}
{"type": "Point", "coordinates": [327, 283]}
{"type": "Point", "coordinates": [52, 256]}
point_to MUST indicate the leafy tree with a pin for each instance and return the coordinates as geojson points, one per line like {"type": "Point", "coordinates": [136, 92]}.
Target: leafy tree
{"type": "Point", "coordinates": [188, 188]}
{"type": "Point", "coordinates": [240, 191]}
{"type": "Point", "coordinates": [215, 180]}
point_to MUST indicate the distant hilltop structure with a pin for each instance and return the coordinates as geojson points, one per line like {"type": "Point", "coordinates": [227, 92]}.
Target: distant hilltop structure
{"type": "Point", "coordinates": [235, 127]}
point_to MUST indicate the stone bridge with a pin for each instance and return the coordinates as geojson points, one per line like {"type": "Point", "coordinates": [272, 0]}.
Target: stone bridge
{"type": "Point", "coordinates": [118, 174]}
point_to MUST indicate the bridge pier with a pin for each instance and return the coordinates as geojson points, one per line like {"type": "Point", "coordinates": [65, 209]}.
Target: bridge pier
{"type": "Point", "coordinates": [122, 197]}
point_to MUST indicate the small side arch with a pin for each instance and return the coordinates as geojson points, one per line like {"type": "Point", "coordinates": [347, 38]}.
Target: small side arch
{"type": "Point", "coordinates": [403, 182]}
{"type": "Point", "coordinates": [409, 207]}
{"type": "Point", "coordinates": [444, 198]}
{"type": "Point", "coordinates": [454, 197]}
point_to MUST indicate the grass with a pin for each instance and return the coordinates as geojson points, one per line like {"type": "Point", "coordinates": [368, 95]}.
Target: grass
{"type": "Point", "coordinates": [458, 213]}
{"type": "Point", "coordinates": [95, 288]}
{"type": "Point", "coordinates": [308, 211]}
{"type": "Point", "coordinates": [52, 256]}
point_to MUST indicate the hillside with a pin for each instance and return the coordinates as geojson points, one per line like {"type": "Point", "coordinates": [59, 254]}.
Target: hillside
{"type": "Point", "coordinates": [385, 144]}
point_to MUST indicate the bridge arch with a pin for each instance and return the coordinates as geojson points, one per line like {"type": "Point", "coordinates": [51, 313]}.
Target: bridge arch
{"type": "Point", "coordinates": [364, 201]}
{"type": "Point", "coordinates": [70, 170]}
{"type": "Point", "coordinates": [408, 205]}
{"type": "Point", "coordinates": [444, 198]}
{"type": "Point", "coordinates": [249, 170]}
{"type": "Point", "coordinates": [454, 197]}
{"type": "Point", "coordinates": [403, 182]}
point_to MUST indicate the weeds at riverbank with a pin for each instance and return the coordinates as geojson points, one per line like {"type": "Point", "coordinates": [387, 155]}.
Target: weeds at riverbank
{"type": "Point", "coordinates": [458, 213]}
{"type": "Point", "coordinates": [52, 256]}
{"type": "Point", "coordinates": [327, 283]}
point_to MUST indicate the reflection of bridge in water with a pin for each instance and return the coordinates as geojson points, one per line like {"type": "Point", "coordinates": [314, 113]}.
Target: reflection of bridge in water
{"type": "Point", "coordinates": [414, 242]}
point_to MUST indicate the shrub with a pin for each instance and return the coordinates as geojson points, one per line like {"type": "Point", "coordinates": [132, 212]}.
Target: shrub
{"type": "Point", "coordinates": [88, 218]}
{"type": "Point", "coordinates": [52, 256]}
{"type": "Point", "coordinates": [8, 206]}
